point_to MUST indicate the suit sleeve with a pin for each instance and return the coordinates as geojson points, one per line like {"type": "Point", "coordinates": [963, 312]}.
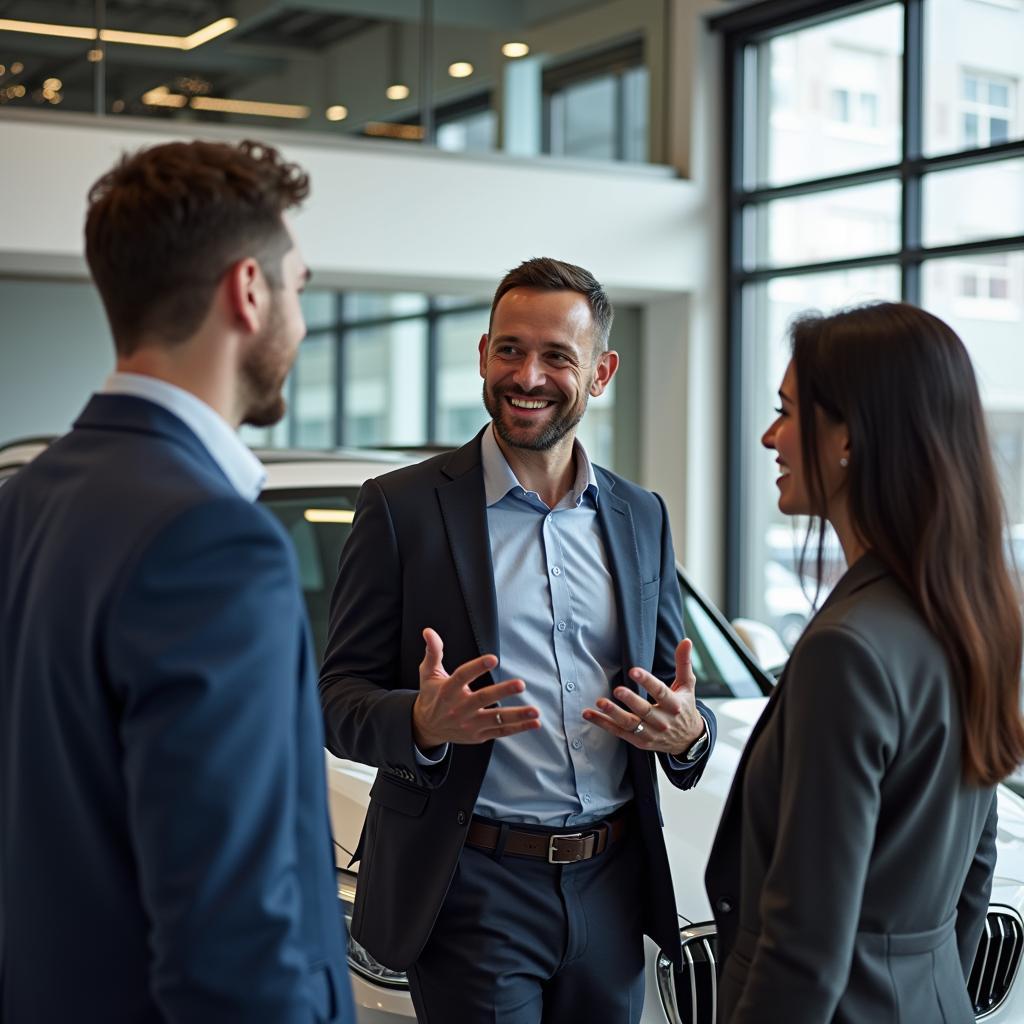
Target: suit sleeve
{"type": "Point", "coordinates": [203, 653]}
{"type": "Point", "coordinates": [841, 725]}
{"type": "Point", "coordinates": [669, 632]}
{"type": "Point", "coordinates": [972, 906]}
{"type": "Point", "coordinates": [367, 715]}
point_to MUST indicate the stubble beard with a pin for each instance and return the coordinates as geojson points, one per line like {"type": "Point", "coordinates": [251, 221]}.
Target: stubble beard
{"type": "Point", "coordinates": [561, 424]}
{"type": "Point", "coordinates": [264, 372]}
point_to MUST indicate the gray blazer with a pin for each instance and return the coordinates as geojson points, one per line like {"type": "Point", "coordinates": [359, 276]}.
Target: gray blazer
{"type": "Point", "coordinates": [852, 867]}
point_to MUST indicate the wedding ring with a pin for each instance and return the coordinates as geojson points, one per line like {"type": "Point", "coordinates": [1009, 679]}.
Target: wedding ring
{"type": "Point", "coordinates": [497, 718]}
{"type": "Point", "coordinates": [639, 728]}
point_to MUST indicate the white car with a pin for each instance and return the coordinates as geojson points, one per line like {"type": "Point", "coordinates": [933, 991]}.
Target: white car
{"type": "Point", "coordinates": [313, 495]}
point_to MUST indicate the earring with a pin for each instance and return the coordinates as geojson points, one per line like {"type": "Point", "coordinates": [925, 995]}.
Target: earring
{"type": "Point", "coordinates": [844, 462]}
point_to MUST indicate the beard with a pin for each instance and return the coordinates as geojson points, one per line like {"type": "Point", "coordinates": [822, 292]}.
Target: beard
{"type": "Point", "coordinates": [564, 419]}
{"type": "Point", "coordinates": [264, 372]}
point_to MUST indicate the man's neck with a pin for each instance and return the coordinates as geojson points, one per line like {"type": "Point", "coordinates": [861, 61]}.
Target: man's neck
{"type": "Point", "coordinates": [550, 473]}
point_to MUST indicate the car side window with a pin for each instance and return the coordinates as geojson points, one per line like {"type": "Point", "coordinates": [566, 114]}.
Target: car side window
{"type": "Point", "coordinates": [719, 669]}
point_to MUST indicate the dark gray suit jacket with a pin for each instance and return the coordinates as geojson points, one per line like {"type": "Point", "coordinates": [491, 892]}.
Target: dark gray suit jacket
{"type": "Point", "coordinates": [852, 867]}
{"type": "Point", "coordinates": [418, 556]}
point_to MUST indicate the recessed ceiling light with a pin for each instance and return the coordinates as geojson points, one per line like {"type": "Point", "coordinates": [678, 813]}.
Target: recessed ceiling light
{"type": "Point", "coordinates": [53, 83]}
{"type": "Point", "coordinates": [17, 67]}
{"type": "Point", "coordinates": [336, 113]}
{"type": "Point", "coordinates": [515, 50]}
{"type": "Point", "coordinates": [94, 56]}
{"type": "Point", "coordinates": [460, 69]}
{"type": "Point", "coordinates": [397, 92]}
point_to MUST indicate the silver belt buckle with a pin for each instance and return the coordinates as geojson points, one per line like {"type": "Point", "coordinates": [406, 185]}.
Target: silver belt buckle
{"type": "Point", "coordinates": [552, 855]}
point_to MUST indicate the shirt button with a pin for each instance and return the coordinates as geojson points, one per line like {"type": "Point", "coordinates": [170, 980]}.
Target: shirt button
{"type": "Point", "coordinates": [723, 905]}
{"type": "Point", "coordinates": [577, 743]}
{"type": "Point", "coordinates": [561, 627]}
{"type": "Point", "coordinates": [587, 798]}
{"type": "Point", "coordinates": [570, 686]}
{"type": "Point", "coordinates": [556, 571]}
{"type": "Point", "coordinates": [461, 817]}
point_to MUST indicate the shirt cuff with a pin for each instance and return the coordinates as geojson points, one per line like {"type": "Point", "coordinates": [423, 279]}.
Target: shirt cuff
{"type": "Point", "coordinates": [681, 766]}
{"type": "Point", "coordinates": [426, 762]}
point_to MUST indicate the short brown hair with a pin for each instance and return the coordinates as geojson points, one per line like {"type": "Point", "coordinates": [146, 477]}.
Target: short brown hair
{"type": "Point", "coordinates": [166, 223]}
{"type": "Point", "coordinates": [550, 275]}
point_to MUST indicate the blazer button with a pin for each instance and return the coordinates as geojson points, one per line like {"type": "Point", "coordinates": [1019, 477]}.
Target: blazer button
{"type": "Point", "coordinates": [723, 905]}
{"type": "Point", "coordinates": [461, 817]}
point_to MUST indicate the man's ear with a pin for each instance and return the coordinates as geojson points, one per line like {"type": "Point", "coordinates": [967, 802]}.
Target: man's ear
{"type": "Point", "coordinates": [607, 364]}
{"type": "Point", "coordinates": [484, 339]}
{"type": "Point", "coordinates": [246, 294]}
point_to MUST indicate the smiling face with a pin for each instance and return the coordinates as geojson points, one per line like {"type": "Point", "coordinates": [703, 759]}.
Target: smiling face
{"type": "Point", "coordinates": [540, 366]}
{"type": "Point", "coordinates": [783, 437]}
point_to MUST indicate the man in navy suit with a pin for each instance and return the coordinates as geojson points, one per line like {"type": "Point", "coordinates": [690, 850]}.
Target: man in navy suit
{"type": "Point", "coordinates": [164, 844]}
{"type": "Point", "coordinates": [512, 858]}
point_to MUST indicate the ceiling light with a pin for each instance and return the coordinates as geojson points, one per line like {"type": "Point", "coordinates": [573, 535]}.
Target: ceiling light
{"type": "Point", "coordinates": [387, 130]}
{"type": "Point", "coordinates": [514, 50]}
{"type": "Point", "coordinates": [161, 96]}
{"type": "Point", "coordinates": [94, 56]}
{"type": "Point", "coordinates": [3, 70]}
{"type": "Point", "coordinates": [257, 109]}
{"type": "Point", "coordinates": [17, 67]}
{"type": "Point", "coordinates": [328, 515]}
{"type": "Point", "coordinates": [110, 35]}
{"type": "Point", "coordinates": [397, 92]}
{"type": "Point", "coordinates": [460, 69]}
{"type": "Point", "coordinates": [336, 113]}
{"type": "Point", "coordinates": [52, 83]}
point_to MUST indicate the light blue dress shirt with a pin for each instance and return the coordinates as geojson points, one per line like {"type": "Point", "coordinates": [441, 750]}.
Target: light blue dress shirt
{"type": "Point", "coordinates": [559, 632]}
{"type": "Point", "coordinates": [244, 471]}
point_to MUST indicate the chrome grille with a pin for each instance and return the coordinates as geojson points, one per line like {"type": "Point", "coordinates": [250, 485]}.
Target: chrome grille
{"type": "Point", "coordinates": [690, 996]}
{"type": "Point", "coordinates": [997, 960]}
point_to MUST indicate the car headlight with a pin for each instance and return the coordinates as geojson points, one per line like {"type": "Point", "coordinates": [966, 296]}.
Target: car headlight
{"type": "Point", "coordinates": [358, 959]}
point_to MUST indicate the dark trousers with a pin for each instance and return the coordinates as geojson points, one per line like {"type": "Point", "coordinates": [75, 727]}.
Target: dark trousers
{"type": "Point", "coordinates": [521, 941]}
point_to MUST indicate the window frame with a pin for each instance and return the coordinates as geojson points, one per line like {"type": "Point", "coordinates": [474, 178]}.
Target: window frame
{"type": "Point", "coordinates": [742, 32]}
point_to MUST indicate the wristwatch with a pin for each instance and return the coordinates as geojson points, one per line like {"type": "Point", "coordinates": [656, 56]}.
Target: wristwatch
{"type": "Point", "coordinates": [698, 747]}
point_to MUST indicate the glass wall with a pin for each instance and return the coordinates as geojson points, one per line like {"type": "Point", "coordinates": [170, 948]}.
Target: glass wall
{"type": "Point", "coordinates": [877, 155]}
{"type": "Point", "coordinates": [401, 369]}
{"type": "Point", "coordinates": [524, 78]}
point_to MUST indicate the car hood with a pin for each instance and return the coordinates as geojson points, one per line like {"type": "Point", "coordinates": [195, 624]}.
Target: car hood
{"type": "Point", "coordinates": [691, 816]}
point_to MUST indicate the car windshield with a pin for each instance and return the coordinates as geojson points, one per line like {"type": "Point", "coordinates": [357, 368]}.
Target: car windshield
{"type": "Point", "coordinates": [318, 522]}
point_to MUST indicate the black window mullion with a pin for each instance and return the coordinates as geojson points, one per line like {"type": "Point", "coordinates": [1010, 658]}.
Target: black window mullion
{"type": "Point", "coordinates": [433, 371]}
{"type": "Point", "coordinates": [339, 370]}
{"type": "Point", "coordinates": [913, 145]}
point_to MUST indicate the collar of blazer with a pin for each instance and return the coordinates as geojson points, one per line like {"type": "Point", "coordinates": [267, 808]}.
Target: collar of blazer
{"type": "Point", "coordinates": [139, 416]}
{"type": "Point", "coordinates": [463, 509]}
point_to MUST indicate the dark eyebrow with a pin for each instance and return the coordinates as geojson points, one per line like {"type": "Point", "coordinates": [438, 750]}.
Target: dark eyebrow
{"type": "Point", "coordinates": [785, 397]}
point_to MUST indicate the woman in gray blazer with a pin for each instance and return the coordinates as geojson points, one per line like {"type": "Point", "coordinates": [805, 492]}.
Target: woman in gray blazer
{"type": "Point", "coordinates": [851, 871]}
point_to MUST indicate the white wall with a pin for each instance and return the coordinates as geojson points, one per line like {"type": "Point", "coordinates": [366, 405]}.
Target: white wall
{"type": "Point", "coordinates": [395, 217]}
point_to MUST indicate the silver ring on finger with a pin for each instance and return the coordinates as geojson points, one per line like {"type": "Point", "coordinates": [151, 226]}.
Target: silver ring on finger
{"type": "Point", "coordinates": [497, 718]}
{"type": "Point", "coordinates": [639, 728]}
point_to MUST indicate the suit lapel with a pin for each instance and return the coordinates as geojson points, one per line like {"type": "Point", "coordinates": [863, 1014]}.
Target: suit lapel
{"type": "Point", "coordinates": [464, 512]}
{"type": "Point", "coordinates": [616, 519]}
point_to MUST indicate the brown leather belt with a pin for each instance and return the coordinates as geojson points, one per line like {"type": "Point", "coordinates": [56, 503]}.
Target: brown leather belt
{"type": "Point", "coordinates": [554, 847]}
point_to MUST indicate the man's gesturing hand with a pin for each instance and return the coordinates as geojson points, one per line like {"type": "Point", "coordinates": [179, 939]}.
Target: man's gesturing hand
{"type": "Point", "coordinates": [671, 725]}
{"type": "Point", "coordinates": [448, 711]}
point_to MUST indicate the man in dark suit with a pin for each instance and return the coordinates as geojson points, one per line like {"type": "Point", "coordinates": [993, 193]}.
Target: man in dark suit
{"type": "Point", "coordinates": [165, 846]}
{"type": "Point", "coordinates": [512, 856]}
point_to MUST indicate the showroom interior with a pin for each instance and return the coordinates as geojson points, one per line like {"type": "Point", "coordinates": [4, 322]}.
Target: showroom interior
{"type": "Point", "coordinates": [720, 166]}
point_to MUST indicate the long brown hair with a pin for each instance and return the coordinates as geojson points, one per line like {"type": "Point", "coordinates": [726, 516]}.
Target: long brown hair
{"type": "Point", "coordinates": [924, 496]}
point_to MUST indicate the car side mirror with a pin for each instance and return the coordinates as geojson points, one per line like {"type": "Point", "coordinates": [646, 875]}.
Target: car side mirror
{"type": "Point", "coordinates": [765, 645]}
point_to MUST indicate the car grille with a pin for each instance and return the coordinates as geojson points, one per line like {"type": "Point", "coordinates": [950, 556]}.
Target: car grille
{"type": "Point", "coordinates": [690, 996]}
{"type": "Point", "coordinates": [996, 963]}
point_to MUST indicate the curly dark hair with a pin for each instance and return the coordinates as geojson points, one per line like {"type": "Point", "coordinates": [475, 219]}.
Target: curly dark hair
{"type": "Point", "coordinates": [167, 222]}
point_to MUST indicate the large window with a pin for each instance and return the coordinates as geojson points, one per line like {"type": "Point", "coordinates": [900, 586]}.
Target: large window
{"type": "Point", "coordinates": [875, 153]}
{"type": "Point", "coordinates": [401, 369]}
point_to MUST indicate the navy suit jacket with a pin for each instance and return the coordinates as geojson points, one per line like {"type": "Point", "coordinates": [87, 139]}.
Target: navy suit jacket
{"type": "Point", "coordinates": [164, 845]}
{"type": "Point", "coordinates": [419, 555]}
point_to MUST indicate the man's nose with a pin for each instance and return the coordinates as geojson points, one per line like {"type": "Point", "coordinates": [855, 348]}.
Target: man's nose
{"type": "Point", "coordinates": [530, 373]}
